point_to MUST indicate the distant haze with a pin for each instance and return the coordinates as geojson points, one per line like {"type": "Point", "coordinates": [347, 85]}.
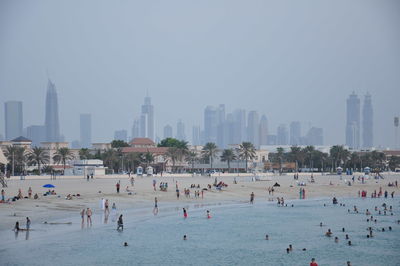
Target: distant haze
{"type": "Point", "coordinates": [289, 60]}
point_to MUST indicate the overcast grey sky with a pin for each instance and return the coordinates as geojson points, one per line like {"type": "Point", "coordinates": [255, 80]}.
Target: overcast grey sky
{"type": "Point", "coordinates": [290, 60]}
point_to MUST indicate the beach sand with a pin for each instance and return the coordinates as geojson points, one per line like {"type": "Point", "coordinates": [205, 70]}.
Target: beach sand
{"type": "Point", "coordinates": [53, 207]}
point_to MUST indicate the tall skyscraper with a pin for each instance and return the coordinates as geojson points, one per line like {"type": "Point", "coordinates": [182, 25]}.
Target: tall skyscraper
{"type": "Point", "coordinates": [121, 135]}
{"type": "Point", "coordinates": [51, 121]}
{"type": "Point", "coordinates": [367, 122]}
{"type": "Point", "coordinates": [13, 119]}
{"type": "Point", "coordinates": [147, 119]}
{"type": "Point", "coordinates": [295, 133]}
{"type": "Point", "coordinates": [253, 124]}
{"type": "Point", "coordinates": [282, 137]}
{"type": "Point", "coordinates": [196, 135]}
{"type": "Point", "coordinates": [263, 130]}
{"type": "Point", "coordinates": [168, 132]}
{"type": "Point", "coordinates": [353, 122]}
{"type": "Point", "coordinates": [136, 128]}
{"type": "Point", "coordinates": [210, 124]}
{"type": "Point", "coordinates": [37, 134]}
{"type": "Point", "coordinates": [180, 130]}
{"type": "Point", "coordinates": [240, 130]}
{"type": "Point", "coordinates": [85, 130]}
{"type": "Point", "coordinates": [221, 126]}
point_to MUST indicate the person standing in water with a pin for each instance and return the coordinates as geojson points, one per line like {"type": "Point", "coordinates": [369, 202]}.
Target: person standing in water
{"type": "Point", "coordinates": [83, 215]}
{"type": "Point", "coordinates": [208, 214]}
{"type": "Point", "coordinates": [120, 223]}
{"type": "Point", "coordinates": [313, 263]}
{"type": "Point", "coordinates": [28, 223]}
{"type": "Point", "coordinates": [89, 216]}
{"type": "Point", "coordinates": [185, 213]}
{"type": "Point", "coordinates": [252, 198]}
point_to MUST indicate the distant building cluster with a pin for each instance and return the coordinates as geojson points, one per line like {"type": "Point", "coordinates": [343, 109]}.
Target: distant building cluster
{"type": "Point", "coordinates": [357, 126]}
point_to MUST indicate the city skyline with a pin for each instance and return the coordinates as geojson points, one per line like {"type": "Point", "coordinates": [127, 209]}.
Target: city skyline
{"type": "Point", "coordinates": [258, 60]}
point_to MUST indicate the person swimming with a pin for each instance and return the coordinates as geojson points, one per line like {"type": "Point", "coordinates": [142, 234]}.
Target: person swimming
{"type": "Point", "coordinates": [328, 233]}
{"type": "Point", "coordinates": [266, 237]}
{"type": "Point", "coordinates": [208, 214]}
{"type": "Point", "coordinates": [125, 244]}
{"type": "Point", "coordinates": [347, 236]}
{"type": "Point", "coordinates": [349, 243]}
{"type": "Point", "coordinates": [184, 237]}
{"type": "Point", "coordinates": [336, 239]}
{"type": "Point", "coordinates": [185, 213]}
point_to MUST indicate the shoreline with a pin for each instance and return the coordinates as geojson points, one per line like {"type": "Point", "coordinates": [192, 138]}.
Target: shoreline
{"type": "Point", "coordinates": [56, 207]}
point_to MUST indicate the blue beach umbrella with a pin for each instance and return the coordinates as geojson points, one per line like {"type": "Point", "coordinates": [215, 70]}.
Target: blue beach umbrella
{"type": "Point", "coordinates": [49, 186]}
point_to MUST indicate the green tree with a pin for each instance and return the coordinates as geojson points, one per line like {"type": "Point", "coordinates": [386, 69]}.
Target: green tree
{"type": "Point", "coordinates": [11, 154]}
{"type": "Point", "coordinates": [339, 154]}
{"type": "Point", "coordinates": [133, 159]}
{"type": "Point", "coordinates": [173, 154]}
{"type": "Point", "coordinates": [63, 155]}
{"type": "Point", "coordinates": [228, 156]}
{"type": "Point", "coordinates": [295, 155]}
{"type": "Point", "coordinates": [38, 156]}
{"type": "Point", "coordinates": [84, 154]}
{"type": "Point", "coordinates": [148, 158]}
{"type": "Point", "coordinates": [111, 159]}
{"type": "Point", "coordinates": [209, 151]}
{"type": "Point", "coordinates": [119, 144]}
{"type": "Point", "coordinates": [280, 153]}
{"type": "Point", "coordinates": [191, 158]}
{"type": "Point", "coordinates": [309, 151]}
{"type": "Point", "coordinates": [247, 152]}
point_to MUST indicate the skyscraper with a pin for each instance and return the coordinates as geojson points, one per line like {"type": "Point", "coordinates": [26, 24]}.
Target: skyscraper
{"type": "Point", "coordinates": [148, 119]}
{"type": "Point", "coordinates": [239, 120]}
{"type": "Point", "coordinates": [136, 128]}
{"type": "Point", "coordinates": [315, 136]}
{"type": "Point", "coordinates": [168, 132]}
{"type": "Point", "coordinates": [36, 133]}
{"type": "Point", "coordinates": [210, 124]}
{"type": "Point", "coordinates": [85, 130]}
{"type": "Point", "coordinates": [196, 135]}
{"type": "Point", "coordinates": [263, 130]}
{"type": "Point", "coordinates": [51, 120]}
{"type": "Point", "coordinates": [121, 135]}
{"type": "Point", "coordinates": [13, 119]}
{"type": "Point", "coordinates": [180, 130]}
{"type": "Point", "coordinates": [282, 137]}
{"type": "Point", "coordinates": [253, 124]}
{"type": "Point", "coordinates": [353, 122]}
{"type": "Point", "coordinates": [367, 122]}
{"type": "Point", "coordinates": [295, 133]}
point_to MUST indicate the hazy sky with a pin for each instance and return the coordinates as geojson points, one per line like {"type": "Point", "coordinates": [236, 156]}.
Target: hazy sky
{"type": "Point", "coordinates": [290, 60]}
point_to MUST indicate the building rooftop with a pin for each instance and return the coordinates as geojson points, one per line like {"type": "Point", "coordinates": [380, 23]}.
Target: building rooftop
{"type": "Point", "coordinates": [21, 139]}
{"type": "Point", "coordinates": [142, 141]}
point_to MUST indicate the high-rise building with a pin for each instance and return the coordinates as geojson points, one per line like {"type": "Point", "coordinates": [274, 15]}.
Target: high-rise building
{"type": "Point", "coordinates": [367, 122]}
{"type": "Point", "coordinates": [221, 126]}
{"type": "Point", "coordinates": [253, 127]}
{"type": "Point", "coordinates": [51, 121]}
{"type": "Point", "coordinates": [85, 130]}
{"type": "Point", "coordinates": [13, 119]}
{"type": "Point", "coordinates": [271, 140]}
{"type": "Point", "coordinates": [315, 136]}
{"type": "Point", "coordinates": [136, 129]}
{"type": "Point", "coordinates": [147, 119]}
{"type": "Point", "coordinates": [210, 124]}
{"type": "Point", "coordinates": [37, 134]}
{"type": "Point", "coordinates": [263, 130]}
{"type": "Point", "coordinates": [168, 132]}
{"type": "Point", "coordinates": [196, 135]}
{"type": "Point", "coordinates": [282, 137]}
{"type": "Point", "coordinates": [353, 122]}
{"type": "Point", "coordinates": [295, 133]}
{"type": "Point", "coordinates": [240, 130]}
{"type": "Point", "coordinates": [121, 135]}
{"type": "Point", "coordinates": [180, 130]}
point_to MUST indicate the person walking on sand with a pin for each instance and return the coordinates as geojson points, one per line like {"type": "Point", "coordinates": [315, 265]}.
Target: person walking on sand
{"type": "Point", "coordinates": [118, 185]}
{"type": "Point", "coordinates": [30, 192]}
{"type": "Point", "coordinates": [89, 216]}
{"type": "Point", "coordinates": [3, 195]}
{"type": "Point", "coordinates": [252, 198]}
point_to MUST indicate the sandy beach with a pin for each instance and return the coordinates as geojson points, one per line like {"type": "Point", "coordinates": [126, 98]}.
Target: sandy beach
{"type": "Point", "coordinates": [52, 207]}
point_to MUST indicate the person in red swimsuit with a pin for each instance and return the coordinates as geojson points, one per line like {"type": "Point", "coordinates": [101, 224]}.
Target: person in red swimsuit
{"type": "Point", "coordinates": [313, 263]}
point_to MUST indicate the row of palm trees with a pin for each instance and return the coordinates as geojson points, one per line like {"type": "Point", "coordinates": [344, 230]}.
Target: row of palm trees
{"type": "Point", "coordinates": [20, 157]}
{"type": "Point", "coordinates": [338, 156]}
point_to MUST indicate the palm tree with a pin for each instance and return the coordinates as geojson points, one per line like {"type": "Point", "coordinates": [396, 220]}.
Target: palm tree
{"type": "Point", "coordinates": [84, 154]}
{"type": "Point", "coordinates": [191, 158]}
{"type": "Point", "coordinates": [173, 153]}
{"type": "Point", "coordinates": [339, 154]}
{"type": "Point", "coordinates": [227, 156]}
{"type": "Point", "coordinates": [148, 158]}
{"type": "Point", "coordinates": [247, 152]}
{"type": "Point", "coordinates": [295, 155]}
{"type": "Point", "coordinates": [38, 156]}
{"type": "Point", "coordinates": [132, 159]}
{"type": "Point", "coordinates": [209, 151]}
{"type": "Point", "coordinates": [280, 153]}
{"type": "Point", "coordinates": [63, 155]}
{"type": "Point", "coordinates": [110, 159]}
{"type": "Point", "coordinates": [10, 153]}
{"type": "Point", "coordinates": [309, 151]}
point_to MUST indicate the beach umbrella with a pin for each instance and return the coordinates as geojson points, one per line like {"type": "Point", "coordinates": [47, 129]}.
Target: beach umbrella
{"type": "Point", "coordinates": [49, 186]}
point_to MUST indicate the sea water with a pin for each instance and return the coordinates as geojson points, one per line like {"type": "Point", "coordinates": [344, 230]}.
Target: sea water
{"type": "Point", "coordinates": [235, 235]}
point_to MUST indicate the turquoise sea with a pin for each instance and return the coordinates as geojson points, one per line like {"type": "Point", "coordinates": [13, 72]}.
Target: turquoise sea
{"type": "Point", "coordinates": [235, 235]}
